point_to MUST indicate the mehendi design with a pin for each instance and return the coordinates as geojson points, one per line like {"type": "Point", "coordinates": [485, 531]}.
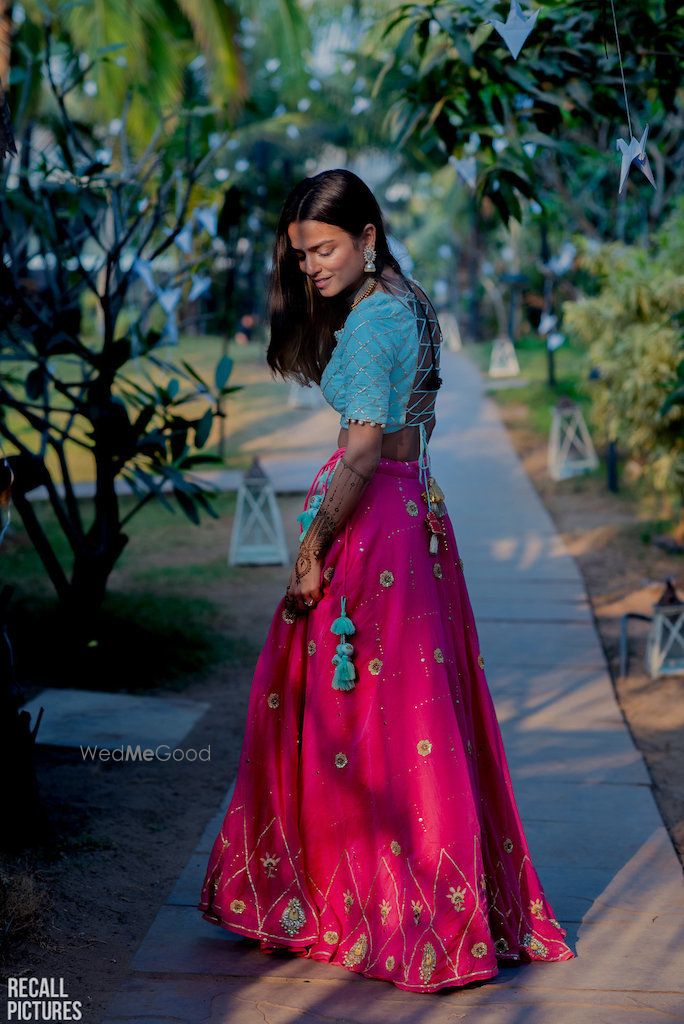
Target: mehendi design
{"type": "Point", "coordinates": [342, 495]}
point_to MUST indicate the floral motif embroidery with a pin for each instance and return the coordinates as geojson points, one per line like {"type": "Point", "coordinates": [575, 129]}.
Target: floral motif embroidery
{"type": "Point", "coordinates": [508, 845]}
{"type": "Point", "coordinates": [555, 923]}
{"type": "Point", "coordinates": [270, 862]}
{"type": "Point", "coordinates": [374, 666]}
{"type": "Point", "coordinates": [331, 938]}
{"type": "Point", "coordinates": [288, 616]}
{"type": "Point", "coordinates": [389, 963]}
{"type": "Point", "coordinates": [501, 946]}
{"type": "Point", "coordinates": [537, 908]}
{"type": "Point", "coordinates": [412, 508]}
{"type": "Point", "coordinates": [348, 900]}
{"type": "Point", "coordinates": [424, 747]}
{"type": "Point", "coordinates": [328, 573]}
{"type": "Point", "coordinates": [386, 578]}
{"type": "Point", "coordinates": [385, 908]}
{"type": "Point", "coordinates": [238, 906]}
{"type": "Point", "coordinates": [428, 962]}
{"type": "Point", "coordinates": [534, 945]}
{"type": "Point", "coordinates": [293, 917]}
{"type": "Point", "coordinates": [437, 570]}
{"type": "Point", "coordinates": [457, 897]}
{"type": "Point", "coordinates": [479, 949]}
{"type": "Point", "coordinates": [357, 952]}
{"type": "Point", "coordinates": [311, 647]}
{"type": "Point", "coordinates": [483, 883]}
{"type": "Point", "coordinates": [439, 657]}
{"type": "Point", "coordinates": [480, 661]}
{"type": "Point", "coordinates": [340, 760]}
{"type": "Point", "coordinates": [417, 908]}
{"type": "Point", "coordinates": [395, 847]}
{"type": "Point", "coordinates": [273, 700]}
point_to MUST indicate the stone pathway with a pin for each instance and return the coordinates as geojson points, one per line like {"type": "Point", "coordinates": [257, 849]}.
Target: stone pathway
{"type": "Point", "coordinates": [596, 837]}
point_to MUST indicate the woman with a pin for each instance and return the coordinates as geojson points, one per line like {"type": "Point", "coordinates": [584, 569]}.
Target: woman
{"type": "Point", "coordinates": [373, 824]}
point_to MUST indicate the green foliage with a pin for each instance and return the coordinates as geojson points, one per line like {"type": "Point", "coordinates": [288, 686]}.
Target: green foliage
{"type": "Point", "coordinates": [632, 328]}
{"type": "Point", "coordinates": [544, 125]}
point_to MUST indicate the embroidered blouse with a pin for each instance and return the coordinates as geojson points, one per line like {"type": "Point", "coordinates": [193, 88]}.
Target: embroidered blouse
{"type": "Point", "coordinates": [380, 364]}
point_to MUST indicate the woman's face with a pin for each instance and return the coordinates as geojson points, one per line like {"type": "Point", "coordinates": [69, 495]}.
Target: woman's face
{"type": "Point", "coordinates": [329, 255]}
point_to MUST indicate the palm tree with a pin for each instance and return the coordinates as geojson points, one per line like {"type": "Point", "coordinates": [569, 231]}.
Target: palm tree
{"type": "Point", "coordinates": [148, 45]}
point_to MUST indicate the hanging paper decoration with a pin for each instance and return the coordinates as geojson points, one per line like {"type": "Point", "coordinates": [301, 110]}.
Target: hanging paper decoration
{"type": "Point", "coordinates": [168, 299]}
{"type": "Point", "coordinates": [466, 168]}
{"type": "Point", "coordinates": [634, 153]}
{"type": "Point", "coordinates": [184, 239]}
{"type": "Point", "coordinates": [199, 287]}
{"type": "Point", "coordinates": [516, 28]}
{"type": "Point", "coordinates": [207, 218]}
{"type": "Point", "coordinates": [143, 269]}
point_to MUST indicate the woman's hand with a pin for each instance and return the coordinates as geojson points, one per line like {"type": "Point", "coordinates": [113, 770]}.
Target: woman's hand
{"type": "Point", "coordinates": [304, 589]}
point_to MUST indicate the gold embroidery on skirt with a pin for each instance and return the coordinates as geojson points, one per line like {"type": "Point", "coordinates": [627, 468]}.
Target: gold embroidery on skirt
{"type": "Point", "coordinates": [479, 949]}
{"type": "Point", "coordinates": [357, 952]}
{"type": "Point", "coordinates": [293, 917]}
{"type": "Point", "coordinates": [428, 962]}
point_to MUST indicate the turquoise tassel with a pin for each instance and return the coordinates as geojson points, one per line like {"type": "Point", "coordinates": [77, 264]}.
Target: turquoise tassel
{"type": "Point", "coordinates": [343, 625]}
{"type": "Point", "coordinates": [345, 673]}
{"type": "Point", "coordinates": [306, 517]}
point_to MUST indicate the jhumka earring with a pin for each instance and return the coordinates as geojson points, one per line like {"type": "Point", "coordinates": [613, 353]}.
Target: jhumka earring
{"type": "Point", "coordinates": [369, 257]}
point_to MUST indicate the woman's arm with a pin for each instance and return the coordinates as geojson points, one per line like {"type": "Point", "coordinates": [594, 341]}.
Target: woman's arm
{"type": "Point", "coordinates": [350, 478]}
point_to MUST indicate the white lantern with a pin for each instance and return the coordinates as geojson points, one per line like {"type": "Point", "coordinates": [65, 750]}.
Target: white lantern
{"type": "Point", "coordinates": [257, 537]}
{"type": "Point", "coordinates": [665, 642]}
{"type": "Point", "coordinates": [570, 450]}
{"type": "Point", "coordinates": [503, 361]}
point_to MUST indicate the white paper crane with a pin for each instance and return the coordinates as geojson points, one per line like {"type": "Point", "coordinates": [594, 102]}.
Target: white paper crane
{"type": "Point", "coordinates": [634, 153]}
{"type": "Point", "coordinates": [516, 28]}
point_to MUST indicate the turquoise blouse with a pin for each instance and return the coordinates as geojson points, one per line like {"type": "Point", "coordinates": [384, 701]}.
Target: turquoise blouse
{"type": "Point", "coordinates": [372, 368]}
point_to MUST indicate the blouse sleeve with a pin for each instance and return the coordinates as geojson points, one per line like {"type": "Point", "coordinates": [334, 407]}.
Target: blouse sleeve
{"type": "Point", "coordinates": [368, 355]}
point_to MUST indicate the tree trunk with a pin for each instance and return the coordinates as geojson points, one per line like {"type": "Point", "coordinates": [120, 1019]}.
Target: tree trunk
{"type": "Point", "coordinates": [5, 41]}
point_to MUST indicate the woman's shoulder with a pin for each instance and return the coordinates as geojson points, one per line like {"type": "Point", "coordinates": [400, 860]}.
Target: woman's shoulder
{"type": "Point", "coordinates": [376, 309]}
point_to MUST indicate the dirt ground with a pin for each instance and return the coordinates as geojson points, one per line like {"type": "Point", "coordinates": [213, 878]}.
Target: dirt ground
{"type": "Point", "coordinates": [122, 836]}
{"type": "Point", "coordinates": [623, 572]}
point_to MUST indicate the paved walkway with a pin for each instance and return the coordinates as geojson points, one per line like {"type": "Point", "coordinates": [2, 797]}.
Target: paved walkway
{"type": "Point", "coordinates": [596, 837]}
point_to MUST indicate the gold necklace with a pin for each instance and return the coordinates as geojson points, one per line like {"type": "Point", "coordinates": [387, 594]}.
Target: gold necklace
{"type": "Point", "coordinates": [373, 284]}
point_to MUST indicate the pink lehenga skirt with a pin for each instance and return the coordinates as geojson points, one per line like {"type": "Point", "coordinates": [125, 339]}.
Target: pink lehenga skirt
{"type": "Point", "coordinates": [376, 828]}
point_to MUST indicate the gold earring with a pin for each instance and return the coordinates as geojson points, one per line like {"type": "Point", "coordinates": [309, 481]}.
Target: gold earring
{"type": "Point", "coordinates": [369, 256]}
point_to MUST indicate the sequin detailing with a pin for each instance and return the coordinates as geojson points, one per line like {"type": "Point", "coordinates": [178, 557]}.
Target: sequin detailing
{"type": "Point", "coordinates": [424, 747]}
{"type": "Point", "coordinates": [340, 760]}
{"type": "Point", "coordinates": [331, 938]}
{"type": "Point", "coordinates": [479, 949]}
{"type": "Point", "coordinates": [348, 900]}
{"type": "Point", "coordinates": [270, 862]}
{"type": "Point", "coordinates": [411, 508]}
{"type": "Point", "coordinates": [501, 946]}
{"type": "Point", "coordinates": [439, 657]}
{"type": "Point", "coordinates": [537, 908]}
{"type": "Point", "coordinates": [311, 647]}
{"type": "Point", "coordinates": [386, 578]}
{"type": "Point", "coordinates": [437, 571]}
{"type": "Point", "coordinates": [534, 945]}
{"type": "Point", "coordinates": [385, 908]}
{"type": "Point", "coordinates": [293, 917]}
{"type": "Point", "coordinates": [273, 700]}
{"type": "Point", "coordinates": [480, 661]}
{"type": "Point", "coordinates": [328, 573]}
{"type": "Point", "coordinates": [357, 952]}
{"type": "Point", "coordinates": [395, 847]}
{"type": "Point", "coordinates": [428, 962]}
{"type": "Point", "coordinates": [417, 908]}
{"type": "Point", "coordinates": [374, 666]}
{"type": "Point", "coordinates": [390, 963]}
{"type": "Point", "coordinates": [457, 897]}
{"type": "Point", "coordinates": [288, 616]}
{"type": "Point", "coordinates": [508, 845]}
{"type": "Point", "coordinates": [238, 906]}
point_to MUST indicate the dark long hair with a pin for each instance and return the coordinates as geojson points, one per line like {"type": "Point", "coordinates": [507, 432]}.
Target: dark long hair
{"type": "Point", "coordinates": [302, 321]}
